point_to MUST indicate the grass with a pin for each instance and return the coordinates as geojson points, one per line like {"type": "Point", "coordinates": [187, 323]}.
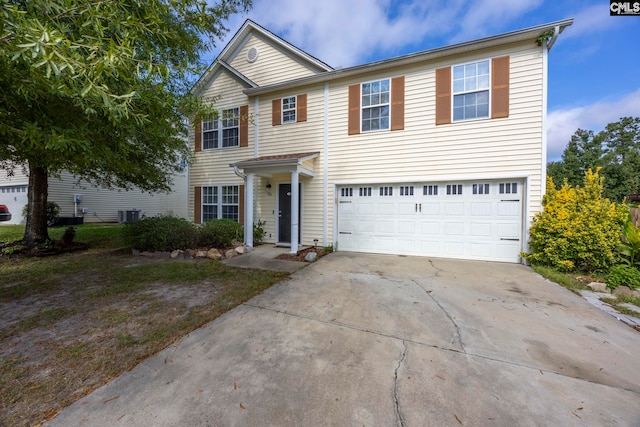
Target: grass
{"type": "Point", "coordinates": [74, 321]}
{"type": "Point", "coordinates": [568, 280]}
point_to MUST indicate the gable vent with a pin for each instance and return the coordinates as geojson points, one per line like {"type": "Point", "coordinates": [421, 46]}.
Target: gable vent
{"type": "Point", "coordinates": [252, 54]}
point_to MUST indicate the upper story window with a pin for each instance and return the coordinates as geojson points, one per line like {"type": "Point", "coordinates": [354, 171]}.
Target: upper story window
{"type": "Point", "coordinates": [229, 122]}
{"type": "Point", "coordinates": [375, 105]}
{"type": "Point", "coordinates": [289, 109]}
{"type": "Point", "coordinates": [471, 84]}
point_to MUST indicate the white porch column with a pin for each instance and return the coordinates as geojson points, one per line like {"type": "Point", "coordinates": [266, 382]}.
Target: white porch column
{"type": "Point", "coordinates": [295, 197]}
{"type": "Point", "coordinates": [248, 210]}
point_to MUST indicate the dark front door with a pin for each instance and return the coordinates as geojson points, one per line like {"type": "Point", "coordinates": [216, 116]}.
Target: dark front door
{"type": "Point", "coordinates": [284, 213]}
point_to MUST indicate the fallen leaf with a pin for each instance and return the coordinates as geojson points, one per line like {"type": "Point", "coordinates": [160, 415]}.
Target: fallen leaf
{"type": "Point", "coordinates": [242, 406]}
{"type": "Point", "coordinates": [457, 419]}
{"type": "Point", "coordinates": [438, 376]}
{"type": "Point", "coordinates": [198, 390]}
{"type": "Point", "coordinates": [576, 415]}
{"type": "Point", "coordinates": [580, 408]}
{"type": "Point", "coordinates": [234, 386]}
{"type": "Point", "coordinates": [541, 373]}
{"type": "Point", "coordinates": [495, 396]}
{"type": "Point", "coordinates": [109, 400]}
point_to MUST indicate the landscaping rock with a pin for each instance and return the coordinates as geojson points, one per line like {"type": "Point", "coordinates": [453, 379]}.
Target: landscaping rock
{"type": "Point", "coordinates": [201, 254]}
{"type": "Point", "coordinates": [135, 252]}
{"type": "Point", "coordinates": [240, 250]}
{"type": "Point", "coordinates": [230, 254]}
{"type": "Point", "coordinates": [213, 253]}
{"type": "Point", "coordinates": [146, 253]}
{"type": "Point", "coordinates": [623, 290]}
{"type": "Point", "coordinates": [176, 254]}
{"type": "Point", "coordinates": [311, 256]}
{"type": "Point", "coordinates": [598, 287]}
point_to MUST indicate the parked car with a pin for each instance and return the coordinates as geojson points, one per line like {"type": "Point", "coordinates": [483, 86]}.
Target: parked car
{"type": "Point", "coordinates": [5, 215]}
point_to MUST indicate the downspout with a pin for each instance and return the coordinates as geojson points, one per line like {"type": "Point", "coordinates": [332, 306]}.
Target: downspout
{"type": "Point", "coordinates": [248, 207]}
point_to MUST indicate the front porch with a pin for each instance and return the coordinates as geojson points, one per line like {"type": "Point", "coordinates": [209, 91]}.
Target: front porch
{"type": "Point", "coordinates": [288, 202]}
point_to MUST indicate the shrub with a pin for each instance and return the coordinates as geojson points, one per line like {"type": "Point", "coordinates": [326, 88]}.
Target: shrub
{"type": "Point", "coordinates": [258, 231]}
{"type": "Point", "coordinates": [160, 233]}
{"type": "Point", "coordinates": [53, 212]}
{"type": "Point", "coordinates": [578, 228]}
{"type": "Point", "coordinates": [623, 275]}
{"type": "Point", "coordinates": [220, 233]}
{"type": "Point", "coordinates": [629, 247]}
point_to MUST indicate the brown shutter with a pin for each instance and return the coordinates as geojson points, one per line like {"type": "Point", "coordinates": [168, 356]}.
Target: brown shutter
{"type": "Point", "coordinates": [397, 103]}
{"type": "Point", "coordinates": [301, 108]}
{"type": "Point", "coordinates": [197, 131]}
{"type": "Point", "coordinates": [241, 205]}
{"type": "Point", "coordinates": [500, 87]}
{"type": "Point", "coordinates": [443, 96]}
{"type": "Point", "coordinates": [276, 113]}
{"type": "Point", "coordinates": [197, 205]}
{"type": "Point", "coordinates": [354, 109]}
{"type": "Point", "coordinates": [244, 126]}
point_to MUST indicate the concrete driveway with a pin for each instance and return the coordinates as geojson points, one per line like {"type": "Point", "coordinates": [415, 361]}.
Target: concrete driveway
{"type": "Point", "coordinates": [374, 340]}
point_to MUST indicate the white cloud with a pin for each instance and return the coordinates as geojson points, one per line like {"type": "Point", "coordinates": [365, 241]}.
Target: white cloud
{"type": "Point", "coordinates": [562, 123]}
{"type": "Point", "coordinates": [592, 21]}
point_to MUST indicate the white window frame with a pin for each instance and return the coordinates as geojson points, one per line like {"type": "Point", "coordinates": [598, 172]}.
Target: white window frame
{"type": "Point", "coordinates": [289, 113]}
{"type": "Point", "coordinates": [371, 106]}
{"type": "Point", "coordinates": [475, 90]}
{"type": "Point", "coordinates": [225, 121]}
{"type": "Point", "coordinates": [221, 200]}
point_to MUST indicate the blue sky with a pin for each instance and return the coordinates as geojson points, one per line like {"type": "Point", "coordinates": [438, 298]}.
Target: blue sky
{"type": "Point", "coordinates": [594, 67]}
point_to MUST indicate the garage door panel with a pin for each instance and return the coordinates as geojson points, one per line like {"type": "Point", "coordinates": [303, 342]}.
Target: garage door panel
{"type": "Point", "coordinates": [480, 229]}
{"type": "Point", "coordinates": [481, 208]}
{"type": "Point", "coordinates": [429, 222]}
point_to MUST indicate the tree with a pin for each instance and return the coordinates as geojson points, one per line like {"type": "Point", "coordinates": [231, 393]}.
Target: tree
{"type": "Point", "coordinates": [100, 89]}
{"type": "Point", "coordinates": [616, 149]}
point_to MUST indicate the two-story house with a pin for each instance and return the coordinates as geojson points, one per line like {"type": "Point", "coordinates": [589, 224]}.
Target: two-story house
{"type": "Point", "coordinates": [438, 153]}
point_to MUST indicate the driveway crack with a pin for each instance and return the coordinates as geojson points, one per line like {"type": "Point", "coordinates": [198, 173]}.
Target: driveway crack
{"type": "Point", "coordinates": [395, 386]}
{"type": "Point", "coordinates": [458, 334]}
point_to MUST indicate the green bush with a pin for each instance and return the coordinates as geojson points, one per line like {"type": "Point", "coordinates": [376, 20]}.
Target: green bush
{"type": "Point", "coordinates": [629, 247]}
{"type": "Point", "coordinates": [220, 233]}
{"type": "Point", "coordinates": [53, 212]}
{"type": "Point", "coordinates": [160, 233]}
{"type": "Point", "coordinates": [623, 275]}
{"type": "Point", "coordinates": [578, 228]}
{"type": "Point", "coordinates": [258, 231]}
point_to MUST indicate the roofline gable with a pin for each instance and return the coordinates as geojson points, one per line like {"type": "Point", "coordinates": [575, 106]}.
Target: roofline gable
{"type": "Point", "coordinates": [531, 33]}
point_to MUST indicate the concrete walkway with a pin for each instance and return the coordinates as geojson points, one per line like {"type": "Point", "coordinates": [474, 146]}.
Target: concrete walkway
{"type": "Point", "coordinates": [264, 257]}
{"type": "Point", "coordinates": [372, 340]}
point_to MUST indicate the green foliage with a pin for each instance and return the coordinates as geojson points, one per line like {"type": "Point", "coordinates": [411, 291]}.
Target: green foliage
{"type": "Point", "coordinates": [160, 233]}
{"type": "Point", "coordinates": [629, 247]}
{"type": "Point", "coordinates": [101, 89]}
{"type": "Point", "coordinates": [623, 275]}
{"type": "Point", "coordinates": [220, 233]}
{"type": "Point", "coordinates": [53, 212]}
{"type": "Point", "coordinates": [616, 149]}
{"type": "Point", "coordinates": [578, 228]}
{"type": "Point", "coordinates": [328, 249]}
{"type": "Point", "coordinates": [258, 231]}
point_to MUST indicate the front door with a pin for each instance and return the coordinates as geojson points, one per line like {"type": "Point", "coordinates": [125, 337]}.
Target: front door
{"type": "Point", "coordinates": [284, 213]}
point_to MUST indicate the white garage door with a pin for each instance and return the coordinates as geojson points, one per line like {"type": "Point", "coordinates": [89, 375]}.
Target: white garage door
{"type": "Point", "coordinates": [470, 220]}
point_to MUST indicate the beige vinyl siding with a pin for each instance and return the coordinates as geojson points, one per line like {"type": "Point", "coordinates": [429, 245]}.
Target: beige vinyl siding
{"type": "Point", "coordinates": [211, 167]}
{"type": "Point", "coordinates": [297, 137]}
{"type": "Point", "coordinates": [103, 204]}
{"type": "Point", "coordinates": [272, 66]}
{"type": "Point", "coordinates": [475, 149]}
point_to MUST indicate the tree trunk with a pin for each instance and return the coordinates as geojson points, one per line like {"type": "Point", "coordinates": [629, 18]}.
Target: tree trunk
{"type": "Point", "coordinates": [36, 228]}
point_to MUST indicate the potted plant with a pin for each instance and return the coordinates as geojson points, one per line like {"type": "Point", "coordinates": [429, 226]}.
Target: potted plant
{"type": "Point", "coordinates": [68, 236]}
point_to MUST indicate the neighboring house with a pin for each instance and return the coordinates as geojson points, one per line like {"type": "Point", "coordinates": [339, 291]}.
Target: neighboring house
{"type": "Point", "coordinates": [438, 153]}
{"type": "Point", "coordinates": [94, 204]}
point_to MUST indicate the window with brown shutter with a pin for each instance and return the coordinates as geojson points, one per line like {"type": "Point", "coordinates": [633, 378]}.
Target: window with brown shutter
{"type": "Point", "coordinates": [197, 205]}
{"type": "Point", "coordinates": [354, 109]}
{"type": "Point", "coordinates": [276, 118]}
{"type": "Point", "coordinates": [197, 129]}
{"type": "Point", "coordinates": [301, 108]}
{"type": "Point", "coordinates": [397, 103]}
{"type": "Point", "coordinates": [500, 87]}
{"type": "Point", "coordinates": [244, 126]}
{"type": "Point", "coordinates": [443, 96]}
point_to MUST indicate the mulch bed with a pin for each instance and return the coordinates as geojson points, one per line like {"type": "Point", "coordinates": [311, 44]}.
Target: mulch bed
{"type": "Point", "coordinates": [20, 249]}
{"type": "Point", "coordinates": [302, 253]}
